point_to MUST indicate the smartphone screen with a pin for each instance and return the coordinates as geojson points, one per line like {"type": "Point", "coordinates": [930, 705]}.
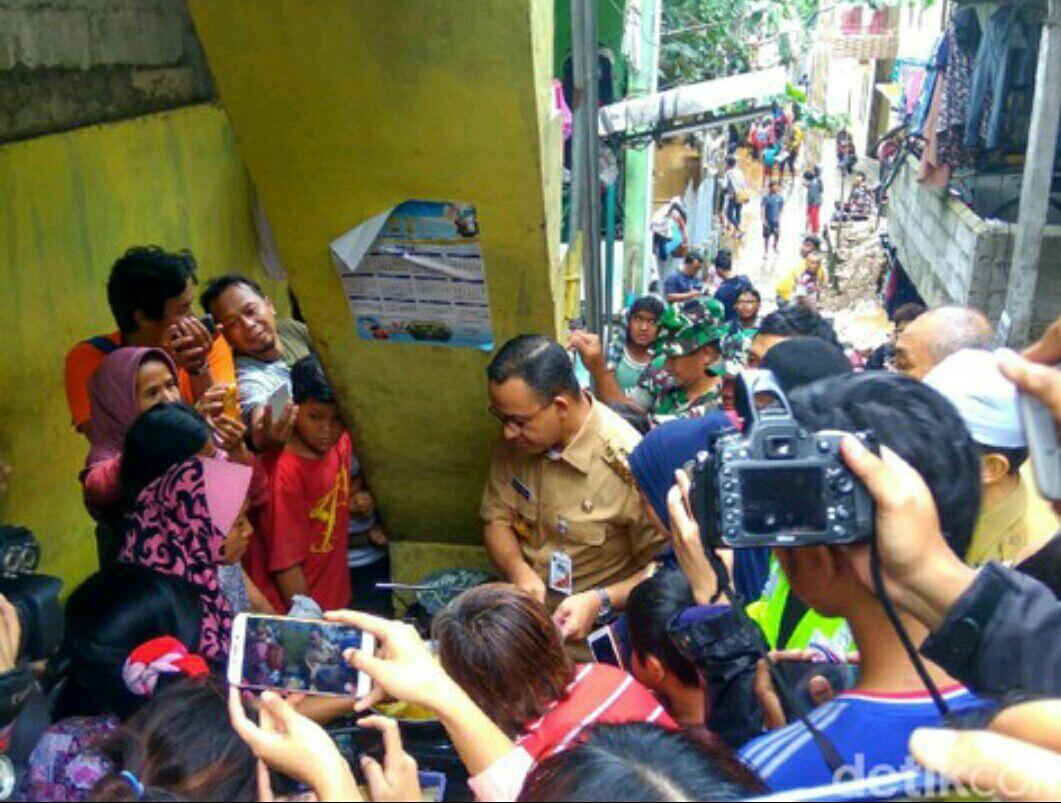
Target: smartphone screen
{"type": "Point", "coordinates": [297, 655]}
{"type": "Point", "coordinates": [278, 401]}
{"type": "Point", "coordinates": [603, 647]}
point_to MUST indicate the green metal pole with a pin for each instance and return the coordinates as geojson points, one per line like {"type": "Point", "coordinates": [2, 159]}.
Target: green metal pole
{"type": "Point", "coordinates": [609, 249]}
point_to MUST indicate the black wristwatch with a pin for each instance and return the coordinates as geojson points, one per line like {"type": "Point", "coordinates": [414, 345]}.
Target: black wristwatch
{"type": "Point", "coordinates": [605, 612]}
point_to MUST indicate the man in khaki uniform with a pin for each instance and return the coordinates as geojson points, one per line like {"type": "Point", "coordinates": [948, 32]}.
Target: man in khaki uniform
{"type": "Point", "coordinates": [563, 518]}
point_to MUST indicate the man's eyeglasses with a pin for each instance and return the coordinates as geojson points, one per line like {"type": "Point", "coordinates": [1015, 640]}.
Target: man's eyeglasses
{"type": "Point", "coordinates": [519, 421]}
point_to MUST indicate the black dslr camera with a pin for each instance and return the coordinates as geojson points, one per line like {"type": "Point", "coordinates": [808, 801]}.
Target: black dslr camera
{"type": "Point", "coordinates": [777, 485]}
{"type": "Point", "coordinates": [34, 596]}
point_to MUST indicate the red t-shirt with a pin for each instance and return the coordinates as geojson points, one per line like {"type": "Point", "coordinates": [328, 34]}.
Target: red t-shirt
{"type": "Point", "coordinates": [599, 694]}
{"type": "Point", "coordinates": [306, 523]}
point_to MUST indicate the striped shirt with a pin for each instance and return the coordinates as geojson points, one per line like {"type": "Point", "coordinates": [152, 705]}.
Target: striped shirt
{"type": "Point", "coordinates": [869, 730]}
{"type": "Point", "coordinates": [599, 694]}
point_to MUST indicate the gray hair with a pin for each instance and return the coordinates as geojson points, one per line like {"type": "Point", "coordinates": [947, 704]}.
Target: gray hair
{"type": "Point", "coordinates": [955, 328]}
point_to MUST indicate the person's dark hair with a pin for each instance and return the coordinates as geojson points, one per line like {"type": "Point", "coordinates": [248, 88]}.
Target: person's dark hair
{"type": "Point", "coordinates": [108, 616]}
{"type": "Point", "coordinates": [802, 360]}
{"type": "Point", "coordinates": [215, 287]}
{"type": "Point", "coordinates": [731, 161]}
{"type": "Point", "coordinates": [1016, 456]}
{"type": "Point", "coordinates": [752, 291]}
{"type": "Point", "coordinates": [808, 175]}
{"type": "Point", "coordinates": [641, 762]}
{"type": "Point", "coordinates": [162, 437]}
{"type": "Point", "coordinates": [723, 260]}
{"type": "Point", "coordinates": [909, 312]}
{"type": "Point", "coordinates": [501, 647]}
{"type": "Point", "coordinates": [309, 382]}
{"type": "Point", "coordinates": [814, 240]}
{"type": "Point", "coordinates": [693, 257]}
{"type": "Point", "coordinates": [650, 304]}
{"type": "Point", "coordinates": [540, 362]}
{"type": "Point", "coordinates": [652, 605]}
{"type": "Point", "coordinates": [632, 415]}
{"type": "Point", "coordinates": [144, 278]}
{"type": "Point", "coordinates": [915, 422]}
{"type": "Point", "coordinates": [794, 320]}
{"type": "Point", "coordinates": [181, 742]}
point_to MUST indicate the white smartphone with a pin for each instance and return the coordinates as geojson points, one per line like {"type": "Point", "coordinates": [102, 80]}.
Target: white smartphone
{"type": "Point", "coordinates": [604, 648]}
{"type": "Point", "coordinates": [1041, 432]}
{"type": "Point", "coordinates": [279, 400]}
{"type": "Point", "coordinates": [297, 655]}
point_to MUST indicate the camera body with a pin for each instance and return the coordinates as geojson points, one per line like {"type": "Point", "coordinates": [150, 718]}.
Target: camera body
{"type": "Point", "coordinates": [35, 597]}
{"type": "Point", "coordinates": [778, 484]}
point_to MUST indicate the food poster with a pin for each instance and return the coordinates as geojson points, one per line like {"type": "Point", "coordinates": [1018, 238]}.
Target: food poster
{"type": "Point", "coordinates": [415, 275]}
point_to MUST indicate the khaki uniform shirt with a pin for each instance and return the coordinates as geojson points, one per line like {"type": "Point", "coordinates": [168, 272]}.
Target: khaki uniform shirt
{"type": "Point", "coordinates": [1021, 519]}
{"type": "Point", "coordinates": [582, 500]}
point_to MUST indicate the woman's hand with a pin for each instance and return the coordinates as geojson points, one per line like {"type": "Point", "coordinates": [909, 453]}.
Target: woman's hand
{"type": "Point", "coordinates": [403, 667]}
{"type": "Point", "coordinates": [10, 636]}
{"type": "Point", "coordinates": [230, 433]}
{"type": "Point", "coordinates": [688, 547]}
{"type": "Point", "coordinates": [212, 403]}
{"type": "Point", "coordinates": [295, 746]}
{"type": "Point", "coordinates": [397, 779]}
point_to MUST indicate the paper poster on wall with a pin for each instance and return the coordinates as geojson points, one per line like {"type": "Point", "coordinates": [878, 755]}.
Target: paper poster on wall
{"type": "Point", "coordinates": [415, 274]}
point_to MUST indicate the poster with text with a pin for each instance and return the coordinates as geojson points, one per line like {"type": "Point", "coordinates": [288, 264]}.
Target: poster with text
{"type": "Point", "coordinates": [415, 274]}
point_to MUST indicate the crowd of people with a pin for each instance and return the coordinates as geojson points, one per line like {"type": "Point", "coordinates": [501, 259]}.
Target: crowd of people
{"type": "Point", "coordinates": [222, 479]}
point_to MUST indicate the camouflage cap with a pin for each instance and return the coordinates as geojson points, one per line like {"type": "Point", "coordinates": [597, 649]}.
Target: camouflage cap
{"type": "Point", "coordinates": [687, 327]}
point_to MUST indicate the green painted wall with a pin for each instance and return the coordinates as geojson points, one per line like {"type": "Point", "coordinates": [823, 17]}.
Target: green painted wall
{"type": "Point", "coordinates": [610, 25]}
{"type": "Point", "coordinates": [346, 111]}
{"type": "Point", "coordinates": [71, 203]}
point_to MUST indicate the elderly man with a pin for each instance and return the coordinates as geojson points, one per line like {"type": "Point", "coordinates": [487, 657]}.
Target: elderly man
{"type": "Point", "coordinates": [938, 333]}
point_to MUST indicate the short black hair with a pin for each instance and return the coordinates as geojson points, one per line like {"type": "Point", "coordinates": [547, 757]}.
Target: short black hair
{"type": "Point", "coordinates": [651, 607]}
{"type": "Point", "coordinates": [753, 291]}
{"type": "Point", "coordinates": [915, 422]}
{"type": "Point", "coordinates": [540, 362]}
{"type": "Point", "coordinates": [309, 382]}
{"type": "Point", "coordinates": [1016, 456]}
{"type": "Point", "coordinates": [162, 437]}
{"type": "Point", "coordinates": [723, 259]}
{"type": "Point", "coordinates": [215, 287]}
{"type": "Point", "coordinates": [144, 278]}
{"type": "Point", "coordinates": [640, 761]}
{"type": "Point", "coordinates": [800, 361]}
{"type": "Point", "coordinates": [653, 305]}
{"type": "Point", "coordinates": [693, 256]}
{"type": "Point", "coordinates": [909, 312]}
{"type": "Point", "coordinates": [794, 320]}
{"type": "Point", "coordinates": [731, 161]}
{"type": "Point", "coordinates": [814, 240]}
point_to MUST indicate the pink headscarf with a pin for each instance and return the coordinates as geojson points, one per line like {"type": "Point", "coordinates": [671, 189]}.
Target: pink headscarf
{"type": "Point", "coordinates": [178, 527]}
{"type": "Point", "coordinates": [115, 407]}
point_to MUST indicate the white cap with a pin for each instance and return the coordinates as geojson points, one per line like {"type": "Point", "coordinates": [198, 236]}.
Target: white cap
{"type": "Point", "coordinates": [986, 400]}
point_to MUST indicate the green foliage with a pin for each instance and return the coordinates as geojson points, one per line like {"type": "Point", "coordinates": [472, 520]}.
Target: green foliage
{"type": "Point", "coordinates": [705, 39]}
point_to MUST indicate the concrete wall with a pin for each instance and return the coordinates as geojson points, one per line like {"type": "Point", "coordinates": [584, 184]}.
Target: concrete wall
{"type": "Point", "coordinates": [69, 63]}
{"type": "Point", "coordinates": [363, 104]}
{"type": "Point", "coordinates": [956, 257]}
{"type": "Point", "coordinates": [71, 204]}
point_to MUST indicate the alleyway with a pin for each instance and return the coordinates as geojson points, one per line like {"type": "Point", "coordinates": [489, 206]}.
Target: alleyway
{"type": "Point", "coordinates": [859, 318]}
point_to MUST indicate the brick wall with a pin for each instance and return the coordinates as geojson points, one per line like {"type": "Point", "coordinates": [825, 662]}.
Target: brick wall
{"type": "Point", "coordinates": [955, 257]}
{"type": "Point", "coordinates": [69, 63]}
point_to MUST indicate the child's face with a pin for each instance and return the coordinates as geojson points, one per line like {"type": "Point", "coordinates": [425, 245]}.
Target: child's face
{"type": "Point", "coordinates": [319, 425]}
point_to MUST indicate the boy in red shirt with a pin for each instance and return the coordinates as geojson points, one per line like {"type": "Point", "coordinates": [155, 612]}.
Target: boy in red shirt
{"type": "Point", "coordinates": [306, 522]}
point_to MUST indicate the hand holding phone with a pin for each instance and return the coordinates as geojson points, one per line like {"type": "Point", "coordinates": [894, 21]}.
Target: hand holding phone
{"type": "Point", "coordinates": [278, 401]}
{"type": "Point", "coordinates": [297, 655]}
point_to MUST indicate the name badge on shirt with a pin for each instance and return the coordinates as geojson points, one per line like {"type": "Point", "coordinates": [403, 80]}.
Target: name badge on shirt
{"type": "Point", "coordinates": [521, 489]}
{"type": "Point", "coordinates": [561, 573]}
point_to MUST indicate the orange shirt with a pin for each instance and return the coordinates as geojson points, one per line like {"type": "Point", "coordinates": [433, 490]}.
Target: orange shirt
{"type": "Point", "coordinates": [84, 359]}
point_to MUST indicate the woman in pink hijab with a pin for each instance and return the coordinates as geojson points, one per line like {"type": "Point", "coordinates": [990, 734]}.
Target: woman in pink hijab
{"type": "Point", "coordinates": [128, 382]}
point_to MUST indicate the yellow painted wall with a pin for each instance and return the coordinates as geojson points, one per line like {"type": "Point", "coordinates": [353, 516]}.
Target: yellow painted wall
{"type": "Point", "coordinates": [69, 205]}
{"type": "Point", "coordinates": [344, 108]}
